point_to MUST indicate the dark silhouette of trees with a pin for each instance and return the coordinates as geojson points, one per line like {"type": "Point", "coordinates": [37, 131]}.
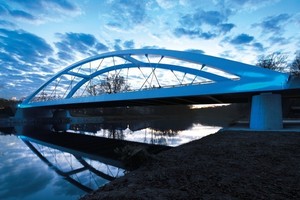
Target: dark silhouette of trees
{"type": "Point", "coordinates": [275, 61]}
{"type": "Point", "coordinates": [114, 84]}
{"type": "Point", "coordinates": [279, 62]}
{"type": "Point", "coordinates": [111, 84]}
{"type": "Point", "coordinates": [92, 90]}
{"type": "Point", "coordinates": [295, 66]}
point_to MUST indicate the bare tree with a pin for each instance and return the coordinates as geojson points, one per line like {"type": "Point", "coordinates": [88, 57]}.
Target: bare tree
{"type": "Point", "coordinates": [295, 66]}
{"type": "Point", "coordinates": [114, 84]}
{"type": "Point", "coordinates": [275, 61]}
{"type": "Point", "coordinates": [111, 84]}
{"type": "Point", "coordinates": [92, 90]}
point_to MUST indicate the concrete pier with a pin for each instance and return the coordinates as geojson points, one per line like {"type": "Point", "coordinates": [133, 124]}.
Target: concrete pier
{"type": "Point", "coordinates": [266, 112]}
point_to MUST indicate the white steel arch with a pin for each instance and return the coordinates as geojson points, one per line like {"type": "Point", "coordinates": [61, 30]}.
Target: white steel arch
{"type": "Point", "coordinates": [153, 73]}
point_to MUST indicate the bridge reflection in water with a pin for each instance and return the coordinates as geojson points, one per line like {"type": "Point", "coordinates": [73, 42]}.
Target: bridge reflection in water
{"type": "Point", "coordinates": [86, 174]}
{"type": "Point", "coordinates": [86, 151]}
{"type": "Point", "coordinates": [86, 161]}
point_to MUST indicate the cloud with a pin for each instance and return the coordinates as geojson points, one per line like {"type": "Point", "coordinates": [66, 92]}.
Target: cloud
{"type": "Point", "coordinates": [278, 39]}
{"type": "Point", "coordinates": [209, 17]}
{"type": "Point", "coordinates": [129, 44]}
{"type": "Point", "coordinates": [14, 177]}
{"type": "Point", "coordinates": [6, 10]}
{"type": "Point", "coordinates": [21, 14]}
{"type": "Point", "coordinates": [127, 14]}
{"type": "Point", "coordinates": [24, 46]}
{"type": "Point", "coordinates": [39, 5]}
{"type": "Point", "coordinates": [194, 33]}
{"type": "Point", "coordinates": [203, 24]}
{"type": "Point", "coordinates": [227, 54]}
{"type": "Point", "coordinates": [241, 5]}
{"type": "Point", "coordinates": [242, 39]}
{"type": "Point", "coordinates": [5, 58]}
{"type": "Point", "coordinates": [242, 42]}
{"type": "Point", "coordinates": [274, 24]}
{"type": "Point", "coordinates": [152, 47]}
{"type": "Point", "coordinates": [24, 62]}
{"type": "Point", "coordinates": [117, 45]}
{"type": "Point", "coordinates": [190, 32]}
{"type": "Point", "coordinates": [101, 47]}
{"type": "Point", "coordinates": [195, 51]}
{"type": "Point", "coordinates": [225, 28]}
{"type": "Point", "coordinates": [38, 11]}
{"type": "Point", "coordinates": [5, 23]}
{"type": "Point", "coordinates": [63, 4]}
{"type": "Point", "coordinates": [21, 83]}
{"type": "Point", "coordinates": [258, 46]}
{"type": "Point", "coordinates": [66, 56]}
{"type": "Point", "coordinates": [166, 4]}
{"type": "Point", "coordinates": [73, 43]}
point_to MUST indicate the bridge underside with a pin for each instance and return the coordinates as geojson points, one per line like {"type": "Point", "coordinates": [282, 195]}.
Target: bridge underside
{"type": "Point", "coordinates": [266, 111]}
{"type": "Point", "coordinates": [189, 100]}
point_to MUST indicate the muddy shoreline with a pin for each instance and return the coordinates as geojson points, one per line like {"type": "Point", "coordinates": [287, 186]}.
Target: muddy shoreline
{"type": "Point", "coordinates": [224, 165]}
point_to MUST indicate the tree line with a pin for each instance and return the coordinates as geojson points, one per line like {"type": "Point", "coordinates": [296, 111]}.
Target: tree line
{"type": "Point", "coordinates": [111, 84]}
{"type": "Point", "coordinates": [278, 61]}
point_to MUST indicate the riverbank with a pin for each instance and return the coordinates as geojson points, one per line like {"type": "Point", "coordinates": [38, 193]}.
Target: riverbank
{"type": "Point", "coordinates": [225, 165]}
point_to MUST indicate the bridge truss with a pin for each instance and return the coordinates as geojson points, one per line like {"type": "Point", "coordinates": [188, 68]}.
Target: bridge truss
{"type": "Point", "coordinates": [158, 76]}
{"type": "Point", "coordinates": [126, 77]}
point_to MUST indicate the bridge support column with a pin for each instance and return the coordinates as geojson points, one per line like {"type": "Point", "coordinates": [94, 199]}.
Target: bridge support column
{"type": "Point", "coordinates": [266, 112]}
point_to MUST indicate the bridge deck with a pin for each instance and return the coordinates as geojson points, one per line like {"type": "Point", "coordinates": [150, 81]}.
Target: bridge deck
{"type": "Point", "coordinates": [157, 76]}
{"type": "Point", "coordinates": [176, 100]}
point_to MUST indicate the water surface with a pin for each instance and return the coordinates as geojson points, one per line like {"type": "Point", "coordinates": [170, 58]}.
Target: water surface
{"type": "Point", "coordinates": [65, 161]}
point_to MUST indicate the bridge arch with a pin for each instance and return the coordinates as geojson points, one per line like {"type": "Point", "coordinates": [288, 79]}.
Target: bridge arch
{"type": "Point", "coordinates": [159, 76]}
{"type": "Point", "coordinates": [147, 69]}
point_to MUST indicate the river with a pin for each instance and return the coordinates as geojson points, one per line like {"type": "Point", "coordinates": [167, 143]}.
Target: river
{"type": "Point", "coordinates": [67, 160]}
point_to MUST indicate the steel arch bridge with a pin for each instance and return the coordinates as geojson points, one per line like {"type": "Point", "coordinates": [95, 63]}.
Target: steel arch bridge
{"type": "Point", "coordinates": [161, 77]}
{"type": "Point", "coordinates": [154, 76]}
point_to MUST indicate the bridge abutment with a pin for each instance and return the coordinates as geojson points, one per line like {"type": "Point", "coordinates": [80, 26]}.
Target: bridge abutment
{"type": "Point", "coordinates": [266, 112]}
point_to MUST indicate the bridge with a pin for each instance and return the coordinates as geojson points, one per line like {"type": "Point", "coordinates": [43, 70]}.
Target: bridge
{"type": "Point", "coordinates": [164, 77]}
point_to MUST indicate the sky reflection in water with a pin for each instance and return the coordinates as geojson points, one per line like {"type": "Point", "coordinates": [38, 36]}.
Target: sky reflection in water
{"type": "Point", "coordinates": [23, 175]}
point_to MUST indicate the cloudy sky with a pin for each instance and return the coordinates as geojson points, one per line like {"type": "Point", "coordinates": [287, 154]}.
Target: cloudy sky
{"type": "Point", "coordinates": [40, 37]}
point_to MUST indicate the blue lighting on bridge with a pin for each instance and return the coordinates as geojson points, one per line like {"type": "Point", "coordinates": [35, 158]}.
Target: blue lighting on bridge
{"type": "Point", "coordinates": [144, 74]}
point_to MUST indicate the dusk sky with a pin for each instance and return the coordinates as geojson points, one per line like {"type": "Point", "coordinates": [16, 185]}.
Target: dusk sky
{"type": "Point", "coordinates": [38, 38]}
